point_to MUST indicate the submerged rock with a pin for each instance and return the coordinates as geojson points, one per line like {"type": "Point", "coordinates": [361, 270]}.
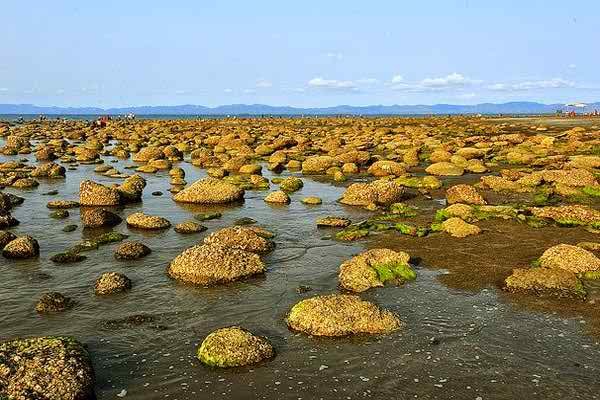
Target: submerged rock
{"type": "Point", "coordinates": [131, 250]}
{"type": "Point", "coordinates": [234, 347]}
{"type": "Point", "coordinates": [545, 281]}
{"type": "Point", "coordinates": [373, 268]}
{"type": "Point", "coordinates": [189, 227]}
{"type": "Point", "coordinates": [56, 368]}
{"type": "Point", "coordinates": [337, 222]}
{"type": "Point", "coordinates": [312, 200]}
{"type": "Point", "coordinates": [53, 302]}
{"type": "Point", "coordinates": [62, 204]}
{"type": "Point", "coordinates": [211, 264]}
{"type": "Point", "coordinates": [340, 315]}
{"type": "Point", "coordinates": [210, 191]}
{"type": "Point", "coordinates": [111, 282]}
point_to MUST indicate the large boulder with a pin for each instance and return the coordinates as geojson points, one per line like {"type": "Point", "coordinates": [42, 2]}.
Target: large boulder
{"type": "Point", "coordinates": [56, 368]}
{"type": "Point", "coordinates": [211, 264]}
{"type": "Point", "coordinates": [373, 268]}
{"type": "Point", "coordinates": [210, 191]}
{"type": "Point", "coordinates": [96, 194]}
{"type": "Point", "coordinates": [376, 193]}
{"type": "Point", "coordinates": [234, 347]}
{"type": "Point", "coordinates": [568, 215]}
{"type": "Point", "coordinates": [340, 315]}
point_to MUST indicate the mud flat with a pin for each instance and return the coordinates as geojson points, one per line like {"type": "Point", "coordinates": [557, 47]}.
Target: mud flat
{"type": "Point", "coordinates": [436, 257]}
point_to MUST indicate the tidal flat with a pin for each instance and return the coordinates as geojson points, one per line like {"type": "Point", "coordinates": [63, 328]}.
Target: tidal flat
{"type": "Point", "coordinates": [300, 258]}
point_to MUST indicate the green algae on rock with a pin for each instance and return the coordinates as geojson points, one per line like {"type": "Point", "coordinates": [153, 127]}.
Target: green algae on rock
{"type": "Point", "coordinates": [234, 347]}
{"type": "Point", "coordinates": [373, 268]}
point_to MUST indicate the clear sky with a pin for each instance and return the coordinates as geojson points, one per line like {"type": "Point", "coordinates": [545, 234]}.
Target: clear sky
{"type": "Point", "coordinates": [300, 53]}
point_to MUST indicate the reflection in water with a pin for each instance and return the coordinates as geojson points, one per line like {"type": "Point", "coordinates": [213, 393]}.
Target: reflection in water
{"type": "Point", "coordinates": [463, 338]}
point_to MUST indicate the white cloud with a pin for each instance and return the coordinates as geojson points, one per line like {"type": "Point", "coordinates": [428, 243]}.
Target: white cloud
{"type": "Point", "coordinates": [183, 92]}
{"type": "Point", "coordinates": [3, 89]}
{"type": "Point", "coordinates": [555, 83]}
{"type": "Point", "coordinates": [228, 90]}
{"type": "Point", "coordinates": [332, 84]}
{"type": "Point", "coordinates": [60, 91]}
{"type": "Point", "coordinates": [263, 84]}
{"type": "Point", "coordinates": [572, 66]}
{"type": "Point", "coordinates": [452, 80]}
{"type": "Point", "coordinates": [249, 91]}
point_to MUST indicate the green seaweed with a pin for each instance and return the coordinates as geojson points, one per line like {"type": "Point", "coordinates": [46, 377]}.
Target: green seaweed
{"type": "Point", "coordinates": [591, 275]}
{"type": "Point", "coordinates": [441, 215]}
{"type": "Point", "coordinates": [436, 227]}
{"type": "Point", "coordinates": [352, 233]}
{"type": "Point", "coordinates": [394, 271]}
{"type": "Point", "coordinates": [401, 209]}
{"type": "Point", "coordinates": [207, 216]}
{"type": "Point", "coordinates": [406, 229]}
{"type": "Point", "coordinates": [593, 191]}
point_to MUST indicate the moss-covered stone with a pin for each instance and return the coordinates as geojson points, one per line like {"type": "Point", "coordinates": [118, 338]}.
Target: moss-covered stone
{"type": "Point", "coordinates": [234, 347]}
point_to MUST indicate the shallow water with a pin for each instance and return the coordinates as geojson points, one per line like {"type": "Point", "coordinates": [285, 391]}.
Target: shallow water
{"type": "Point", "coordinates": [463, 338]}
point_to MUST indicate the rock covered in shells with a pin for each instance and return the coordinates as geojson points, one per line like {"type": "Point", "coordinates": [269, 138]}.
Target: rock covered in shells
{"type": "Point", "coordinates": [340, 315]}
{"type": "Point", "coordinates": [210, 191]}
{"type": "Point", "coordinates": [111, 282]}
{"type": "Point", "coordinates": [247, 238]}
{"type": "Point", "coordinates": [52, 367]}
{"type": "Point", "coordinates": [143, 221]}
{"type": "Point", "coordinates": [21, 247]}
{"type": "Point", "coordinates": [211, 264]}
{"type": "Point", "coordinates": [96, 194]}
{"type": "Point", "coordinates": [131, 250]}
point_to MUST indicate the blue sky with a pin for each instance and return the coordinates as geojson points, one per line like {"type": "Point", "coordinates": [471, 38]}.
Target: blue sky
{"type": "Point", "coordinates": [303, 53]}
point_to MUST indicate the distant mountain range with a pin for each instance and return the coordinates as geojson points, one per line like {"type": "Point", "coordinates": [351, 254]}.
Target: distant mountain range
{"type": "Point", "coordinates": [261, 109]}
